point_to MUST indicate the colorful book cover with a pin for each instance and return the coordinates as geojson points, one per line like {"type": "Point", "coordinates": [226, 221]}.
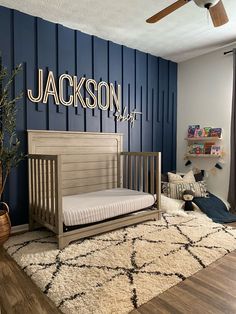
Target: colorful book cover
{"type": "Point", "coordinates": [207, 131]}
{"type": "Point", "coordinates": [207, 147]}
{"type": "Point", "coordinates": [196, 149]}
{"type": "Point", "coordinates": [191, 130]}
{"type": "Point", "coordinates": [216, 150]}
{"type": "Point", "coordinates": [216, 132]}
{"type": "Point", "coordinates": [199, 133]}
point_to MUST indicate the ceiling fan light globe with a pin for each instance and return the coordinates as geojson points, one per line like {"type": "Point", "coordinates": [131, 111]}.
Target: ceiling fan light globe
{"type": "Point", "coordinates": [206, 3]}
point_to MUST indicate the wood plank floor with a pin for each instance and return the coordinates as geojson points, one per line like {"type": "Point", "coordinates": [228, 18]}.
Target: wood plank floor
{"type": "Point", "coordinates": [211, 290]}
{"type": "Point", "coordinates": [18, 293]}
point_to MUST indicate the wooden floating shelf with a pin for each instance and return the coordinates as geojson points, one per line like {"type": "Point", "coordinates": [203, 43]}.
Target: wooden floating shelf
{"type": "Point", "coordinates": [210, 139]}
{"type": "Point", "coordinates": [203, 155]}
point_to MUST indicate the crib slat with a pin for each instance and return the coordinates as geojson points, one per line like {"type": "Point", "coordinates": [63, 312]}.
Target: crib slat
{"type": "Point", "coordinates": [119, 175]}
{"type": "Point", "coordinates": [58, 197]}
{"type": "Point", "coordinates": [31, 173]}
{"type": "Point", "coordinates": [141, 173]}
{"type": "Point", "coordinates": [35, 188]}
{"type": "Point", "coordinates": [146, 174]}
{"type": "Point", "coordinates": [130, 172]}
{"type": "Point", "coordinates": [47, 192]}
{"type": "Point", "coordinates": [43, 191]}
{"type": "Point", "coordinates": [136, 173]}
{"type": "Point", "coordinates": [158, 186]}
{"type": "Point", "coordinates": [39, 189]}
{"type": "Point", "coordinates": [52, 193]}
{"type": "Point", "coordinates": [152, 174]}
{"type": "Point", "coordinates": [125, 171]}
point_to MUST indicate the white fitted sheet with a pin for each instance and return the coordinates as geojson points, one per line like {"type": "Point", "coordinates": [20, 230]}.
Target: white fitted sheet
{"type": "Point", "coordinates": [97, 206]}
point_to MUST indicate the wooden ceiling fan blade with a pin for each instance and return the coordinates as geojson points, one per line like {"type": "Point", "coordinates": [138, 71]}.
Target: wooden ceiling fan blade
{"type": "Point", "coordinates": [171, 8]}
{"type": "Point", "coordinates": [218, 14]}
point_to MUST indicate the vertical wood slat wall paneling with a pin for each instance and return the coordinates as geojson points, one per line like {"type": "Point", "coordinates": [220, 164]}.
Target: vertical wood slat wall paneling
{"type": "Point", "coordinates": [84, 68]}
{"type": "Point", "coordinates": [74, 114]}
{"type": "Point", "coordinates": [148, 134]}
{"type": "Point", "coordinates": [108, 124]}
{"type": "Point", "coordinates": [157, 113]}
{"type": "Point", "coordinates": [168, 123]}
{"type": "Point", "coordinates": [39, 114]}
{"type": "Point", "coordinates": [22, 28]}
{"type": "Point", "coordinates": [163, 102]}
{"type": "Point", "coordinates": [140, 95]}
{"type": "Point", "coordinates": [115, 73]}
{"type": "Point", "coordinates": [101, 74]}
{"type": "Point", "coordinates": [47, 36]}
{"type": "Point", "coordinates": [96, 116]}
{"type": "Point", "coordinates": [128, 91]}
{"type": "Point", "coordinates": [6, 55]}
{"type": "Point", "coordinates": [67, 65]}
{"type": "Point", "coordinates": [25, 52]}
{"type": "Point", "coordinates": [147, 81]}
{"type": "Point", "coordinates": [92, 116]}
{"type": "Point", "coordinates": [173, 106]}
{"type": "Point", "coordinates": [78, 122]}
{"type": "Point", "coordinates": [65, 58]}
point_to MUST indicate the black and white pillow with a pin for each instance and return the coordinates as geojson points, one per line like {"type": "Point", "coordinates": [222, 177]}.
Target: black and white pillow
{"type": "Point", "coordinates": [173, 190]}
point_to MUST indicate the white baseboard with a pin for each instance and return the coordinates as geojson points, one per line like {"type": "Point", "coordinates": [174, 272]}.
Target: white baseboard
{"type": "Point", "coordinates": [19, 228]}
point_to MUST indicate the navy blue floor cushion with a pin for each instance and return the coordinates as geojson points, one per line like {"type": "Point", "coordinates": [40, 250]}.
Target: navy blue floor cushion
{"type": "Point", "coordinates": [214, 208]}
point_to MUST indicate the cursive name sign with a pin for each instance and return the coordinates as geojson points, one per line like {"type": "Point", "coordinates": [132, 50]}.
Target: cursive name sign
{"type": "Point", "coordinates": [124, 116]}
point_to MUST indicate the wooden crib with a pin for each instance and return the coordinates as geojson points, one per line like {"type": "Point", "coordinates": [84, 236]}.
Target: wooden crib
{"type": "Point", "coordinates": [69, 163]}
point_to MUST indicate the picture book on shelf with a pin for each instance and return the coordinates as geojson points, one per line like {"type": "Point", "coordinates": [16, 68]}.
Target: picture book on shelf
{"type": "Point", "coordinates": [207, 147]}
{"type": "Point", "coordinates": [216, 132]}
{"type": "Point", "coordinates": [196, 149]}
{"type": "Point", "coordinates": [215, 150]}
{"type": "Point", "coordinates": [199, 132]}
{"type": "Point", "coordinates": [191, 130]}
{"type": "Point", "coordinates": [207, 131]}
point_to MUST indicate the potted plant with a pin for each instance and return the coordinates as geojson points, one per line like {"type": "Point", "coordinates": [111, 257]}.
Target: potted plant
{"type": "Point", "coordinates": [10, 154]}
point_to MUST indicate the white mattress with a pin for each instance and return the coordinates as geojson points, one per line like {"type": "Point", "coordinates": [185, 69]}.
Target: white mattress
{"type": "Point", "coordinates": [97, 206]}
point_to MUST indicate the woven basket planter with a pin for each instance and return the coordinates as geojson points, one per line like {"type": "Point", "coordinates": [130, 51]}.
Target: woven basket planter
{"type": "Point", "coordinates": [5, 223]}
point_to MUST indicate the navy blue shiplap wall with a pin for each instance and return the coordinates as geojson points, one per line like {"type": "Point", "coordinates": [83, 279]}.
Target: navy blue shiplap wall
{"type": "Point", "coordinates": [149, 84]}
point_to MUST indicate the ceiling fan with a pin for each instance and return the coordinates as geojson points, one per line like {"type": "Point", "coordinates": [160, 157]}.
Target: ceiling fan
{"type": "Point", "coordinates": [215, 7]}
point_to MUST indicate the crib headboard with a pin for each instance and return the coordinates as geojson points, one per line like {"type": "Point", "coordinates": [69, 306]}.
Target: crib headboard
{"type": "Point", "coordinates": [90, 161]}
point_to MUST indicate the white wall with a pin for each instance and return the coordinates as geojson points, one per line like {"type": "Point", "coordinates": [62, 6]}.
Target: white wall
{"type": "Point", "coordinates": [205, 98]}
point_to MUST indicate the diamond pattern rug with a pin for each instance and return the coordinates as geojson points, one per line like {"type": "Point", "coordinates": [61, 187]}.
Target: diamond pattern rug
{"type": "Point", "coordinates": [118, 271]}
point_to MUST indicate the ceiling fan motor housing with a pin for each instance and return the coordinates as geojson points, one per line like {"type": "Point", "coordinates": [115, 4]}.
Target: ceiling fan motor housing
{"type": "Point", "coordinates": [206, 3]}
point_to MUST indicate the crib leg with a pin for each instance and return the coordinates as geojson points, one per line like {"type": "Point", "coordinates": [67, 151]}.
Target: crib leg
{"type": "Point", "coordinates": [158, 217]}
{"type": "Point", "coordinates": [32, 224]}
{"type": "Point", "coordinates": [62, 243]}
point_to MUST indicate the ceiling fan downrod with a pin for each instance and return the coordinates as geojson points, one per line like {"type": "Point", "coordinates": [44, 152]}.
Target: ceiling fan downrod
{"type": "Point", "coordinates": [206, 3]}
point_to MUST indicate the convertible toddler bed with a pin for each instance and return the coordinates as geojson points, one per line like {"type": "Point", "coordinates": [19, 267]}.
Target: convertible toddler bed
{"type": "Point", "coordinates": [82, 184]}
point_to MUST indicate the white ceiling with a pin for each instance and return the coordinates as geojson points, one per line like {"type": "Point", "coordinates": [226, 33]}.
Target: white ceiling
{"type": "Point", "coordinates": [184, 34]}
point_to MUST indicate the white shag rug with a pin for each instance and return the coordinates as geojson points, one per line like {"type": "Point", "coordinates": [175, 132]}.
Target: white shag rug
{"type": "Point", "coordinates": [118, 271]}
